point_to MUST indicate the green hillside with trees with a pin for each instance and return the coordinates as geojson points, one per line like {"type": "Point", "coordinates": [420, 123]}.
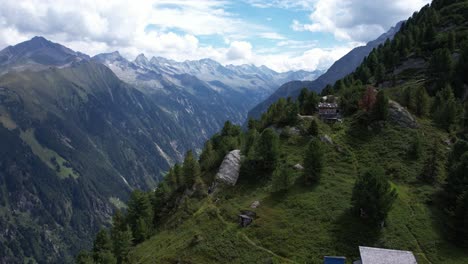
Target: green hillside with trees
{"type": "Point", "coordinates": [382, 177]}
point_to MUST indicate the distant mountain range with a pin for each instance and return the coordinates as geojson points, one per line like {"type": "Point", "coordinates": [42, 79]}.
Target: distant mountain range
{"type": "Point", "coordinates": [77, 134]}
{"type": "Point", "coordinates": [342, 67]}
{"type": "Point", "coordinates": [234, 89]}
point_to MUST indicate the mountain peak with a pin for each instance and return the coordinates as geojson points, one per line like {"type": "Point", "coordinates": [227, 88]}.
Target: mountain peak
{"type": "Point", "coordinates": [142, 60]}
{"type": "Point", "coordinates": [111, 57]}
{"type": "Point", "coordinates": [39, 51]}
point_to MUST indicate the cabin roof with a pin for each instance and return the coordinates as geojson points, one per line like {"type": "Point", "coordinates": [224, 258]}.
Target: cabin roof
{"type": "Point", "coordinates": [371, 255]}
{"type": "Point", "coordinates": [328, 105]}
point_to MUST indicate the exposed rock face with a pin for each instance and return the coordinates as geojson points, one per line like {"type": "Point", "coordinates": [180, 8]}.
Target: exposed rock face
{"type": "Point", "coordinates": [229, 171]}
{"type": "Point", "coordinates": [255, 204]}
{"type": "Point", "coordinates": [399, 115]}
{"type": "Point", "coordinates": [326, 139]}
{"type": "Point", "coordinates": [298, 167]}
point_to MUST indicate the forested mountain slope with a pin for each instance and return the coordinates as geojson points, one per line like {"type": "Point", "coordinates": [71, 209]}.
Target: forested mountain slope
{"type": "Point", "coordinates": [393, 174]}
{"type": "Point", "coordinates": [342, 67]}
{"type": "Point", "coordinates": [75, 140]}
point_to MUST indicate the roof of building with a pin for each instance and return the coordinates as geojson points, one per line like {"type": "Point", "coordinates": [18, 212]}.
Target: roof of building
{"type": "Point", "coordinates": [334, 260]}
{"type": "Point", "coordinates": [328, 105]}
{"type": "Point", "coordinates": [371, 255]}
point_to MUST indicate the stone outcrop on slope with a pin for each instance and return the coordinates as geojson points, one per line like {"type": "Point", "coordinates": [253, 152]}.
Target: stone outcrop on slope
{"type": "Point", "coordinates": [230, 167]}
{"type": "Point", "coordinates": [399, 115]}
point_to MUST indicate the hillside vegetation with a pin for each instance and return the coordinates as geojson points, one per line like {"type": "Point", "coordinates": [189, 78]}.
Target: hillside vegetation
{"type": "Point", "coordinates": [383, 177]}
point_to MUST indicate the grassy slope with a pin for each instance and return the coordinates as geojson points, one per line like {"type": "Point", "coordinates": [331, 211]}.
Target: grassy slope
{"type": "Point", "coordinates": [310, 222]}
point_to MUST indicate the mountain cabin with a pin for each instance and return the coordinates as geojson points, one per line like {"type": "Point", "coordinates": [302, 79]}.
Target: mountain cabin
{"type": "Point", "coordinates": [329, 112]}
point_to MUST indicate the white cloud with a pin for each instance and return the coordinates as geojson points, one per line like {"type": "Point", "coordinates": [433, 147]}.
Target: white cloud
{"type": "Point", "coordinates": [271, 35]}
{"type": "Point", "coordinates": [312, 59]}
{"type": "Point", "coordinates": [239, 50]}
{"type": "Point", "coordinates": [359, 21]}
{"type": "Point", "coordinates": [177, 27]}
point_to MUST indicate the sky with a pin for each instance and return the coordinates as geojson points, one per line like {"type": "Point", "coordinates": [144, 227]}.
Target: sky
{"type": "Point", "coordinates": [280, 34]}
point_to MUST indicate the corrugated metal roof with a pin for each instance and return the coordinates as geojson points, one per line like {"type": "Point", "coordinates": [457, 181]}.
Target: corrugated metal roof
{"type": "Point", "coordinates": [334, 260]}
{"type": "Point", "coordinates": [371, 255]}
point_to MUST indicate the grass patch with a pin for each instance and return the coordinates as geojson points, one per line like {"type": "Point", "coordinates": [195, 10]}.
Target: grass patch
{"type": "Point", "coordinates": [53, 160]}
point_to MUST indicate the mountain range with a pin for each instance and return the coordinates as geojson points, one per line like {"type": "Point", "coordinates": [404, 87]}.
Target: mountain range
{"type": "Point", "coordinates": [79, 133]}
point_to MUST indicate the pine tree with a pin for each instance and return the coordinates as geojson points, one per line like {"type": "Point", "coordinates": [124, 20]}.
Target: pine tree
{"type": "Point", "coordinates": [313, 162]}
{"type": "Point", "coordinates": [381, 106]}
{"type": "Point", "coordinates": [380, 73]}
{"type": "Point", "coordinates": [178, 175]}
{"type": "Point", "coordinates": [447, 108]}
{"type": "Point", "coordinates": [281, 179]}
{"type": "Point", "coordinates": [451, 41]}
{"type": "Point", "coordinates": [310, 104]}
{"type": "Point", "coordinates": [251, 141]}
{"type": "Point", "coordinates": [373, 195]}
{"type": "Point", "coordinates": [84, 257]}
{"type": "Point", "coordinates": [441, 66]}
{"type": "Point", "coordinates": [421, 102]}
{"type": "Point", "coordinates": [191, 169]}
{"type": "Point", "coordinates": [457, 180]}
{"type": "Point", "coordinates": [313, 128]}
{"type": "Point", "coordinates": [368, 100]}
{"type": "Point", "coordinates": [208, 157]}
{"type": "Point", "coordinates": [415, 150]}
{"type": "Point", "coordinates": [302, 98]}
{"type": "Point", "coordinates": [460, 220]}
{"type": "Point", "coordinates": [328, 90]}
{"type": "Point", "coordinates": [142, 231]}
{"type": "Point", "coordinates": [432, 167]}
{"type": "Point", "coordinates": [268, 149]}
{"type": "Point", "coordinates": [139, 209]}
{"type": "Point", "coordinates": [121, 238]}
{"type": "Point", "coordinates": [102, 248]}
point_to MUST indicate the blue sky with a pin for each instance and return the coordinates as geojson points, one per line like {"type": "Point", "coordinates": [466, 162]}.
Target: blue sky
{"type": "Point", "coordinates": [281, 34]}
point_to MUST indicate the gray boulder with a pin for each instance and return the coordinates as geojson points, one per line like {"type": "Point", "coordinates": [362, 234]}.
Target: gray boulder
{"type": "Point", "coordinates": [400, 116]}
{"type": "Point", "coordinates": [298, 167]}
{"type": "Point", "coordinates": [229, 170]}
{"type": "Point", "coordinates": [326, 139]}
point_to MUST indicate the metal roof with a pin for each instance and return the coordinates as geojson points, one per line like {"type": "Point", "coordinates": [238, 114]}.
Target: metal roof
{"type": "Point", "coordinates": [334, 260]}
{"type": "Point", "coordinates": [371, 255]}
{"type": "Point", "coordinates": [328, 105]}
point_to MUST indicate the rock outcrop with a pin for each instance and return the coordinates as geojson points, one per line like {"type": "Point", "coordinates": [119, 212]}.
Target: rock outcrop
{"type": "Point", "coordinates": [229, 171]}
{"type": "Point", "coordinates": [298, 167]}
{"type": "Point", "coordinates": [400, 116]}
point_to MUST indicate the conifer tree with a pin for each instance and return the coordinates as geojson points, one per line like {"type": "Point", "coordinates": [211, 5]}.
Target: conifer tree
{"type": "Point", "coordinates": [380, 73]}
{"type": "Point", "coordinates": [460, 220]}
{"type": "Point", "coordinates": [421, 101]}
{"type": "Point", "coordinates": [457, 180]}
{"type": "Point", "coordinates": [102, 249]}
{"type": "Point", "coordinates": [250, 142]}
{"type": "Point", "coordinates": [368, 99]}
{"type": "Point", "coordinates": [447, 108]}
{"type": "Point", "coordinates": [310, 104]}
{"type": "Point", "coordinates": [268, 149]}
{"type": "Point", "coordinates": [191, 169]}
{"type": "Point", "coordinates": [381, 106]}
{"type": "Point", "coordinates": [281, 179]}
{"type": "Point", "coordinates": [302, 98]}
{"type": "Point", "coordinates": [432, 167]}
{"type": "Point", "coordinates": [313, 128]}
{"type": "Point", "coordinates": [373, 196]}
{"type": "Point", "coordinates": [121, 238]}
{"type": "Point", "coordinates": [139, 209]}
{"type": "Point", "coordinates": [313, 162]}
{"type": "Point", "coordinates": [84, 257]}
{"type": "Point", "coordinates": [208, 157]}
{"type": "Point", "coordinates": [415, 150]}
{"type": "Point", "coordinates": [441, 66]}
